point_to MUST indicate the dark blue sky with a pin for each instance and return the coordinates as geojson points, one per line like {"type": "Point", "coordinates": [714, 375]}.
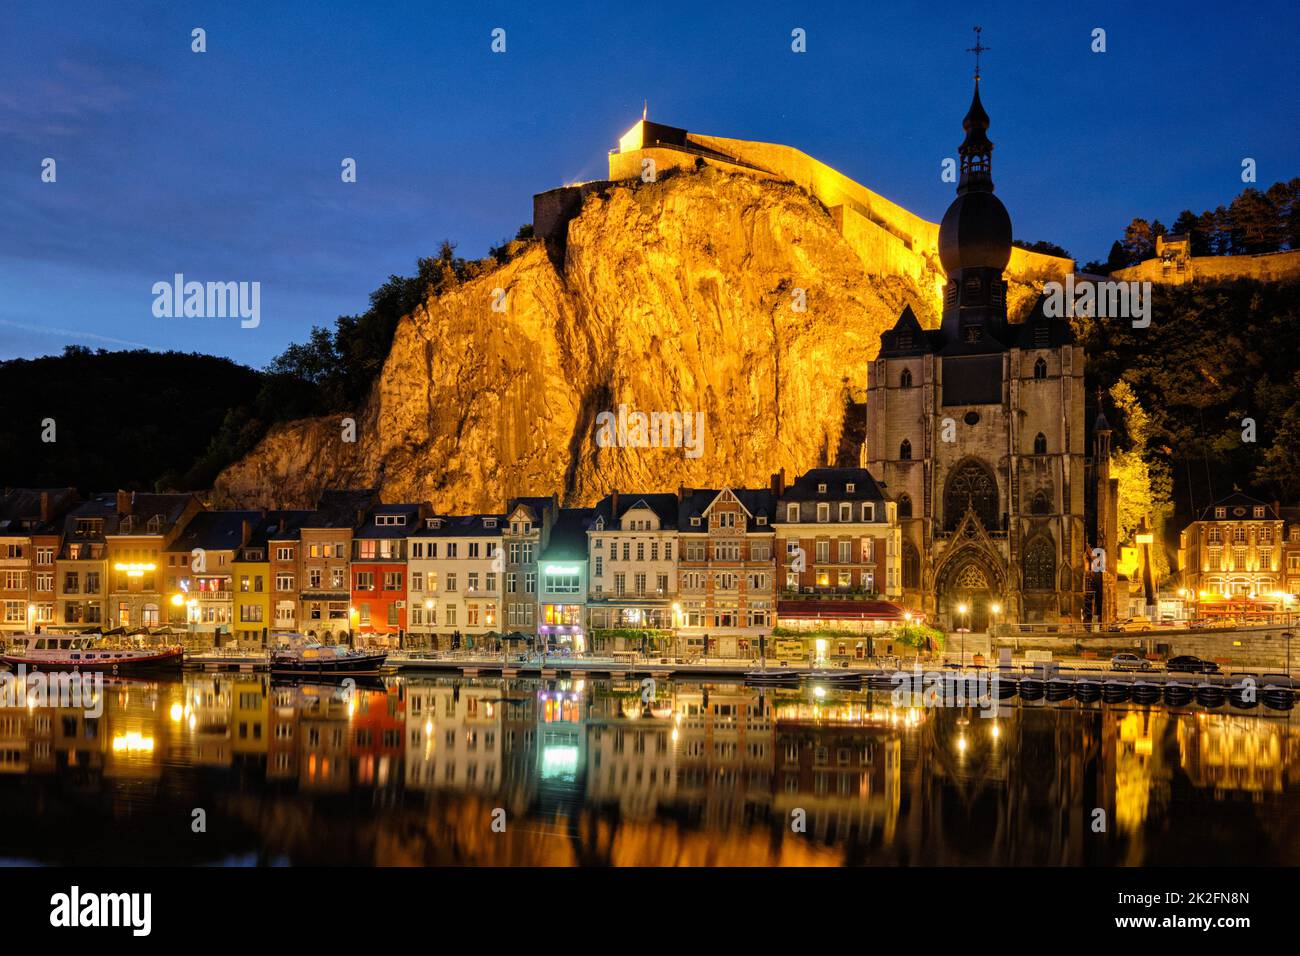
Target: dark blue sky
{"type": "Point", "coordinates": [225, 165]}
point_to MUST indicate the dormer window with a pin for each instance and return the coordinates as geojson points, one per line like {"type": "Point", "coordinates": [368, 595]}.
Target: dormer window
{"type": "Point", "coordinates": [821, 489]}
{"type": "Point", "coordinates": [1259, 512]}
{"type": "Point", "coordinates": [792, 512]}
{"type": "Point", "coordinates": [761, 519]}
{"type": "Point", "coordinates": [1220, 512]}
{"type": "Point", "coordinates": [433, 523]}
{"type": "Point", "coordinates": [850, 488]}
{"type": "Point", "coordinates": [695, 522]}
{"type": "Point", "coordinates": [390, 519]}
{"type": "Point", "coordinates": [489, 522]}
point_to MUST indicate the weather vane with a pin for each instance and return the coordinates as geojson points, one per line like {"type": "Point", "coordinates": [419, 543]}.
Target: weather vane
{"type": "Point", "coordinates": [977, 49]}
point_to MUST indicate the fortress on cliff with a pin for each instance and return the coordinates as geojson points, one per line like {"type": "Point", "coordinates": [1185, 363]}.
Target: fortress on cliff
{"type": "Point", "coordinates": [888, 239]}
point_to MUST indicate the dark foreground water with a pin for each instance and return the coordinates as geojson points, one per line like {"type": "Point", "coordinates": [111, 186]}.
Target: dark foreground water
{"type": "Point", "coordinates": [432, 770]}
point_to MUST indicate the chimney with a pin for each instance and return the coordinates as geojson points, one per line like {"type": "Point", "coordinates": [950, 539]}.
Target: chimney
{"type": "Point", "coordinates": [613, 506]}
{"type": "Point", "coordinates": [245, 532]}
{"type": "Point", "coordinates": [123, 502]}
{"type": "Point", "coordinates": [45, 507]}
{"type": "Point", "coordinates": [778, 483]}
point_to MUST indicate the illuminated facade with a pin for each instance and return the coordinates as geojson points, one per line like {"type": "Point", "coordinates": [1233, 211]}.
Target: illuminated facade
{"type": "Point", "coordinates": [455, 563]}
{"type": "Point", "coordinates": [632, 549]}
{"type": "Point", "coordinates": [976, 430]}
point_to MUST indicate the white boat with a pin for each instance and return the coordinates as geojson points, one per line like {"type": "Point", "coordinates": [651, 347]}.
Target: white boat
{"type": "Point", "coordinates": [295, 655]}
{"type": "Point", "coordinates": [87, 652]}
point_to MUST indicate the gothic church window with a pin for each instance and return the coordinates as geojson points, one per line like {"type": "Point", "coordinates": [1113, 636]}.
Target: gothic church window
{"type": "Point", "coordinates": [905, 506]}
{"type": "Point", "coordinates": [1040, 368]}
{"type": "Point", "coordinates": [1040, 504]}
{"type": "Point", "coordinates": [1040, 565]}
{"type": "Point", "coordinates": [1040, 444]}
{"type": "Point", "coordinates": [970, 485]}
{"type": "Point", "coordinates": [911, 566]}
{"type": "Point", "coordinates": [905, 450]}
{"type": "Point", "coordinates": [905, 380]}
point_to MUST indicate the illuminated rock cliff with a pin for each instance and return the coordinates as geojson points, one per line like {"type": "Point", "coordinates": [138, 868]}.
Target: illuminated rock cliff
{"type": "Point", "coordinates": [677, 295]}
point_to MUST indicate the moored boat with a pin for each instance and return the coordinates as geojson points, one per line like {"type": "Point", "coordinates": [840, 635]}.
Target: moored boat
{"type": "Point", "coordinates": [87, 652]}
{"type": "Point", "coordinates": [301, 656]}
{"type": "Point", "coordinates": [772, 676]}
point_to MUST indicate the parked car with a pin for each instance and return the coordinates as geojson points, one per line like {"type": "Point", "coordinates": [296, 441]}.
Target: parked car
{"type": "Point", "coordinates": [1132, 624]}
{"type": "Point", "coordinates": [1190, 664]}
{"type": "Point", "coordinates": [1129, 662]}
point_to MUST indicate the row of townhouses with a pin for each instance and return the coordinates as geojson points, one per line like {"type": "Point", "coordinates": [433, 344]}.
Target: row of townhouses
{"type": "Point", "coordinates": [700, 571]}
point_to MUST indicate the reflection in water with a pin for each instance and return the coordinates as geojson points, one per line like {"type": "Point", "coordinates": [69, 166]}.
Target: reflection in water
{"type": "Point", "coordinates": [410, 771]}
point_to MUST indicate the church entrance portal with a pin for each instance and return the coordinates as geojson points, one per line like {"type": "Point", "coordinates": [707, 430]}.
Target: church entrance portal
{"type": "Point", "coordinates": [967, 584]}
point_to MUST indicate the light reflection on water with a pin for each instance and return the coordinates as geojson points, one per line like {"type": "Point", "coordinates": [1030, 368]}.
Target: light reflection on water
{"type": "Point", "coordinates": [412, 770]}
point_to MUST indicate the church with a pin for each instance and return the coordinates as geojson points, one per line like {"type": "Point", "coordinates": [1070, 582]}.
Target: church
{"type": "Point", "coordinates": [976, 429]}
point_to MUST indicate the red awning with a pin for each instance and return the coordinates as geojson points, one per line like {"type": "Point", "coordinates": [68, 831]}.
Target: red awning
{"type": "Point", "coordinates": [843, 610]}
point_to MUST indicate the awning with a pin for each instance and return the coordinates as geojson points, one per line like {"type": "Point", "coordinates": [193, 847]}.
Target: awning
{"type": "Point", "coordinates": [840, 610]}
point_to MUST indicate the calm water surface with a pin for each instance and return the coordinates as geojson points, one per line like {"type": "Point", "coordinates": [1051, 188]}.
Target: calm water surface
{"type": "Point", "coordinates": [414, 770]}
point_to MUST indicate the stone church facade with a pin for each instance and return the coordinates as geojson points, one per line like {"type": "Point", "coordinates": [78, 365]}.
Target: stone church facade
{"type": "Point", "coordinates": [976, 430]}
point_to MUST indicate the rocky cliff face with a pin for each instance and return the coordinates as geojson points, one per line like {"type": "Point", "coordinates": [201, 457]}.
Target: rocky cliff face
{"type": "Point", "coordinates": [678, 295]}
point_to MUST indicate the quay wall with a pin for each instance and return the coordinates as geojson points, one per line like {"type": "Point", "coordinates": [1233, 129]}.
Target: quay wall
{"type": "Point", "coordinates": [1231, 649]}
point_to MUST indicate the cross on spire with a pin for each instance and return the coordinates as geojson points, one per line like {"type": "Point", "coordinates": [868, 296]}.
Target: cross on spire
{"type": "Point", "coordinates": [977, 49]}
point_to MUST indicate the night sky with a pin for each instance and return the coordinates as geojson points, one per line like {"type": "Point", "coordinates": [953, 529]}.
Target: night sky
{"type": "Point", "coordinates": [225, 165]}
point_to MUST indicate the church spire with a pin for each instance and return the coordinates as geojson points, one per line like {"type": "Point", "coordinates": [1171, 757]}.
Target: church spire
{"type": "Point", "coordinates": [976, 150]}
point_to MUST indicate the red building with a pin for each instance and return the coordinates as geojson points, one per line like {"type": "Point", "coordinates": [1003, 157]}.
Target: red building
{"type": "Point", "coordinates": [379, 611]}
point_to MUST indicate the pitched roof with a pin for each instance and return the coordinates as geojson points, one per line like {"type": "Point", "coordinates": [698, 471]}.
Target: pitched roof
{"type": "Point", "coordinates": [371, 528]}
{"type": "Point", "coordinates": [215, 531]}
{"type": "Point", "coordinates": [665, 507]}
{"type": "Point", "coordinates": [836, 480]}
{"type": "Point", "coordinates": [759, 502]}
{"type": "Point", "coordinates": [1236, 501]}
{"type": "Point", "coordinates": [20, 509]}
{"type": "Point", "coordinates": [569, 536]}
{"type": "Point", "coordinates": [459, 526]}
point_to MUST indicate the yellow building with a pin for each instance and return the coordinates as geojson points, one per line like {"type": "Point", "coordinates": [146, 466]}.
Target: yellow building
{"type": "Point", "coordinates": [250, 714]}
{"type": "Point", "coordinates": [251, 575]}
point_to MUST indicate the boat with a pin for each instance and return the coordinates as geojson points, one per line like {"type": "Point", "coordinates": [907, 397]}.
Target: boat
{"type": "Point", "coordinates": [830, 675]}
{"type": "Point", "coordinates": [773, 676]}
{"type": "Point", "coordinates": [299, 656]}
{"type": "Point", "coordinates": [88, 652]}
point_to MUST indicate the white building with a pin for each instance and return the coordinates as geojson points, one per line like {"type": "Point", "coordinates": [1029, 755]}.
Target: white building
{"type": "Point", "coordinates": [632, 549]}
{"type": "Point", "coordinates": [454, 580]}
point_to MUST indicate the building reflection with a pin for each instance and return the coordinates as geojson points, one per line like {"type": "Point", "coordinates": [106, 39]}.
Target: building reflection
{"type": "Point", "coordinates": [598, 771]}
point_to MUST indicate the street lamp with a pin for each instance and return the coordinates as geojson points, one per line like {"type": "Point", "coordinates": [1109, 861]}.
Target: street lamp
{"type": "Point", "coordinates": [962, 609]}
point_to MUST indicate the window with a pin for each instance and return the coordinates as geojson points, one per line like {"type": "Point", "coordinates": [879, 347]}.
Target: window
{"type": "Point", "coordinates": [868, 511]}
{"type": "Point", "coordinates": [970, 485]}
{"type": "Point", "coordinates": [792, 512]}
{"type": "Point", "coordinates": [1040, 565]}
{"type": "Point", "coordinates": [846, 511]}
{"type": "Point", "coordinates": [904, 506]}
{"type": "Point", "coordinates": [567, 583]}
{"type": "Point", "coordinates": [905, 450]}
{"type": "Point", "coordinates": [1040, 368]}
{"type": "Point", "coordinates": [1040, 444]}
{"type": "Point", "coordinates": [905, 380]}
{"type": "Point", "coordinates": [823, 511]}
{"type": "Point", "coordinates": [845, 551]}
